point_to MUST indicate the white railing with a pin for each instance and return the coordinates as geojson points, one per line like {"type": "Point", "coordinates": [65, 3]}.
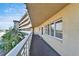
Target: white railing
{"type": "Point", "coordinates": [22, 48]}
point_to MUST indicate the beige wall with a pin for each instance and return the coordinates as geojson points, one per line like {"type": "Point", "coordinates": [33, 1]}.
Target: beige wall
{"type": "Point", "coordinates": [70, 43]}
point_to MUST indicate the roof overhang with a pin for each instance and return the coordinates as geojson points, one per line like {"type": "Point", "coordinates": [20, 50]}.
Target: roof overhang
{"type": "Point", "coordinates": [40, 12]}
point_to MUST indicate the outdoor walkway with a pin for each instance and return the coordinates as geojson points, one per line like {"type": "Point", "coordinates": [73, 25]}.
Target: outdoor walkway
{"type": "Point", "coordinates": [41, 48]}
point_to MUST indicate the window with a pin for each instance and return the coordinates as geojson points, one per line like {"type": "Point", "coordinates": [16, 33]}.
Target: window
{"type": "Point", "coordinates": [42, 30]}
{"type": "Point", "coordinates": [58, 29]}
{"type": "Point", "coordinates": [47, 29]}
{"type": "Point", "coordinates": [52, 29]}
{"type": "Point", "coordinates": [39, 29]}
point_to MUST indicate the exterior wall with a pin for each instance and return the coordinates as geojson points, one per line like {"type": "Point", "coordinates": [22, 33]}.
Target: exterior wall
{"type": "Point", "coordinates": [16, 24]}
{"type": "Point", "coordinates": [70, 43]}
{"type": "Point", "coordinates": [25, 23]}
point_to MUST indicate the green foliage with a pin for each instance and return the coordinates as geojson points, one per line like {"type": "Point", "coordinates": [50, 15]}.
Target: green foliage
{"type": "Point", "coordinates": [11, 38]}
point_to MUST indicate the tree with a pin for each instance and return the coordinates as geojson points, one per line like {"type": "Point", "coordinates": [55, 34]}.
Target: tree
{"type": "Point", "coordinates": [11, 38]}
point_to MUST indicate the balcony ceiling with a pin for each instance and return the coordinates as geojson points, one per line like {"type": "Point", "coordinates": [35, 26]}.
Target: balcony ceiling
{"type": "Point", "coordinates": [39, 13]}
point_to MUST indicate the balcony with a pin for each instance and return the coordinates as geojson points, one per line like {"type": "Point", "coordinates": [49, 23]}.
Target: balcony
{"type": "Point", "coordinates": [32, 45]}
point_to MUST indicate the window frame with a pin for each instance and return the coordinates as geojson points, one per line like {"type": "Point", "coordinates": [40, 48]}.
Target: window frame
{"type": "Point", "coordinates": [46, 29]}
{"type": "Point", "coordinates": [54, 22]}
{"type": "Point", "coordinates": [51, 29]}
{"type": "Point", "coordinates": [42, 31]}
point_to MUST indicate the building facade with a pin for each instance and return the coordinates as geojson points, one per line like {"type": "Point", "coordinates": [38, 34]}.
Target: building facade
{"type": "Point", "coordinates": [57, 24]}
{"type": "Point", "coordinates": [63, 30]}
{"type": "Point", "coordinates": [16, 24]}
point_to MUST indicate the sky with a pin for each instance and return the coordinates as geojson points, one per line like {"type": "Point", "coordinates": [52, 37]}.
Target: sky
{"type": "Point", "coordinates": [10, 12]}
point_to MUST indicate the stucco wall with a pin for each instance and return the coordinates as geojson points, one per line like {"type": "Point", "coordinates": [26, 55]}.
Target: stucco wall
{"type": "Point", "coordinates": [70, 43]}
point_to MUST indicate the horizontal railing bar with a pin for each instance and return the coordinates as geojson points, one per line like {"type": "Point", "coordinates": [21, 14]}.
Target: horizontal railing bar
{"type": "Point", "coordinates": [18, 47]}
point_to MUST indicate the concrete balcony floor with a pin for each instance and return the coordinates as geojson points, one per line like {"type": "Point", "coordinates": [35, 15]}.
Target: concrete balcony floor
{"type": "Point", "coordinates": [40, 48]}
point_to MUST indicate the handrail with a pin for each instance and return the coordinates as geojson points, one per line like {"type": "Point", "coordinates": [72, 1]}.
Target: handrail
{"type": "Point", "coordinates": [19, 46]}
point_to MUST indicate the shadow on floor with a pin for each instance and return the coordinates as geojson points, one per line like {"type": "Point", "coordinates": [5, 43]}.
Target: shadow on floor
{"type": "Point", "coordinates": [40, 48]}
